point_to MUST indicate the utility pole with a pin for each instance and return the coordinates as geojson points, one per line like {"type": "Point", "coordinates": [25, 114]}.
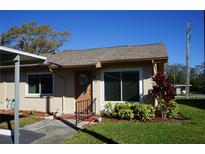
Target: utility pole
{"type": "Point", "coordinates": [188, 37]}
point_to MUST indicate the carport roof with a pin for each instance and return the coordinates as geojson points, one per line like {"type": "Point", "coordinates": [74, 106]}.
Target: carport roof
{"type": "Point", "coordinates": [7, 56]}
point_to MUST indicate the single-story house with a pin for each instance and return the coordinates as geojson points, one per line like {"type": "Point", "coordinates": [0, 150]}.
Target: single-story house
{"type": "Point", "coordinates": [89, 77]}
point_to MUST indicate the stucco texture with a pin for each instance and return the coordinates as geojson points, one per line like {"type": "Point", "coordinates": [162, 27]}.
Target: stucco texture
{"type": "Point", "coordinates": [63, 98]}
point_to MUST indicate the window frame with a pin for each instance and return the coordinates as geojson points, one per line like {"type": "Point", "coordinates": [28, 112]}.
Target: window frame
{"type": "Point", "coordinates": [39, 94]}
{"type": "Point", "coordinates": [141, 84]}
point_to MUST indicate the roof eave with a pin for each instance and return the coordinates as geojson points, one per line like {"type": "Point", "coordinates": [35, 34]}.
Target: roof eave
{"type": "Point", "coordinates": [136, 60]}
{"type": "Point", "coordinates": [164, 59]}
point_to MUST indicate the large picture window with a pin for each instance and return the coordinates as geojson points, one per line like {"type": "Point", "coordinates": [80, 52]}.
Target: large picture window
{"type": "Point", "coordinates": [40, 84]}
{"type": "Point", "coordinates": [121, 86]}
{"type": "Point", "coordinates": [112, 86]}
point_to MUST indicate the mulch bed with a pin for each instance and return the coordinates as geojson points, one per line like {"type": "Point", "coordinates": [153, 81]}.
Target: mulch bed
{"type": "Point", "coordinates": [157, 119]}
{"type": "Point", "coordinates": [71, 116]}
{"type": "Point", "coordinates": [34, 113]}
{"type": "Point", "coordinates": [169, 120]}
{"type": "Point", "coordinates": [110, 119]}
{"type": "Point", "coordinates": [24, 113]}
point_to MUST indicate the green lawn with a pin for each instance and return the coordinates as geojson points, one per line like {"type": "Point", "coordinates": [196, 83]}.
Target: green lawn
{"type": "Point", "coordinates": [191, 130]}
{"type": "Point", "coordinates": [7, 122]}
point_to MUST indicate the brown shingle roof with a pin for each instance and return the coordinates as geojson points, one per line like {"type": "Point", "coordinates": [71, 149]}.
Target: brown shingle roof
{"type": "Point", "coordinates": [119, 53]}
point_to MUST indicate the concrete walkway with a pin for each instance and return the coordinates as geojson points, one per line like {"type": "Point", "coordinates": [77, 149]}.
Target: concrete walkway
{"type": "Point", "coordinates": [55, 131]}
{"type": "Point", "coordinates": [45, 132]}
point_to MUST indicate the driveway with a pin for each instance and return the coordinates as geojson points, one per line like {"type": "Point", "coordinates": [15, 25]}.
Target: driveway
{"type": "Point", "coordinates": [44, 132]}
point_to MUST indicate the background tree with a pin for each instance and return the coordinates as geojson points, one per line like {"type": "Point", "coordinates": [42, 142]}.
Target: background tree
{"type": "Point", "coordinates": [177, 73]}
{"type": "Point", "coordinates": [34, 38]}
{"type": "Point", "coordinates": [197, 78]}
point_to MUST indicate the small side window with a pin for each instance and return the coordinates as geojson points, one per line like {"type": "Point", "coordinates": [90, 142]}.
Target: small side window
{"type": "Point", "coordinates": [33, 84]}
{"type": "Point", "coordinates": [40, 84]}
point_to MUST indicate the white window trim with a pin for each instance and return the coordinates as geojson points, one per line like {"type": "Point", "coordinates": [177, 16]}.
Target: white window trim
{"type": "Point", "coordinates": [141, 84]}
{"type": "Point", "coordinates": [27, 94]}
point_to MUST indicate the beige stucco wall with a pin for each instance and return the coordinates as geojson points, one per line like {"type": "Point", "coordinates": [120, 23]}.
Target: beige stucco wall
{"type": "Point", "coordinates": [148, 73]}
{"type": "Point", "coordinates": [56, 102]}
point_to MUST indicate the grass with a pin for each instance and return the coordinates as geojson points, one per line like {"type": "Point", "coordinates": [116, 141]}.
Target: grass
{"type": "Point", "coordinates": [191, 130]}
{"type": "Point", "coordinates": [7, 122]}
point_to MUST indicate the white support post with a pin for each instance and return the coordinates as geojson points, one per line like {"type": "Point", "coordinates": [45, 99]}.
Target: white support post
{"type": "Point", "coordinates": [16, 112]}
{"type": "Point", "coordinates": [155, 72]}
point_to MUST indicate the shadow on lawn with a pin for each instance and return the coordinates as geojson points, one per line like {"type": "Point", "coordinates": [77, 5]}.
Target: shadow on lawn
{"type": "Point", "coordinates": [197, 103]}
{"type": "Point", "coordinates": [92, 133]}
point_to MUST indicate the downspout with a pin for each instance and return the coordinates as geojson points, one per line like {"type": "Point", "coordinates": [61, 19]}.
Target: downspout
{"type": "Point", "coordinates": [63, 97]}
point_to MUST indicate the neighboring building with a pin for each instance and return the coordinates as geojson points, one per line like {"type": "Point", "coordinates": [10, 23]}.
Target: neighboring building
{"type": "Point", "coordinates": [180, 89]}
{"type": "Point", "coordinates": [113, 74]}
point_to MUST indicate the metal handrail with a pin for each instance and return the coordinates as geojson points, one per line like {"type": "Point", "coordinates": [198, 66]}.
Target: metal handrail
{"type": "Point", "coordinates": [83, 109]}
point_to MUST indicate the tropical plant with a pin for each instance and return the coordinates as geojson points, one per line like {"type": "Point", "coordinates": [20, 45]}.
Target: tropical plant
{"type": "Point", "coordinates": [163, 91]}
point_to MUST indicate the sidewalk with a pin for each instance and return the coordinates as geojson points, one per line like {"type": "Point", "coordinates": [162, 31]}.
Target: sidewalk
{"type": "Point", "coordinates": [44, 132]}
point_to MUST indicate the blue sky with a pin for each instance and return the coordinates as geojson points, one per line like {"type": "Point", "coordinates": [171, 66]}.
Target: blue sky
{"type": "Point", "coordinates": [93, 29]}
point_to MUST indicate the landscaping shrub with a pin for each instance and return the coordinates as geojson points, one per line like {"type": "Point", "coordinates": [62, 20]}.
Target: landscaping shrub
{"type": "Point", "coordinates": [123, 111]}
{"type": "Point", "coordinates": [142, 112]}
{"type": "Point", "coordinates": [108, 109]}
{"type": "Point", "coordinates": [174, 110]}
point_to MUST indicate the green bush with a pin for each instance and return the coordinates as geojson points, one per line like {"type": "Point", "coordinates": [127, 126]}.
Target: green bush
{"type": "Point", "coordinates": [174, 110]}
{"type": "Point", "coordinates": [108, 109]}
{"type": "Point", "coordinates": [142, 112]}
{"type": "Point", "coordinates": [123, 111]}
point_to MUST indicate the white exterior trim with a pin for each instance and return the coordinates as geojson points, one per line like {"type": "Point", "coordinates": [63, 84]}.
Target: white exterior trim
{"type": "Point", "coordinates": [27, 94]}
{"type": "Point", "coordinates": [141, 83]}
{"type": "Point", "coordinates": [22, 53]}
